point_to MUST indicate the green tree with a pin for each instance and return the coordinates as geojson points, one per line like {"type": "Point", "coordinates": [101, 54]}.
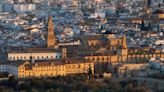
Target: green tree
{"type": "Point", "coordinates": [116, 87]}
{"type": "Point", "coordinates": [149, 27]}
{"type": "Point", "coordinates": [34, 90]}
{"type": "Point", "coordinates": [50, 90]}
{"type": "Point", "coordinates": [90, 71]}
{"type": "Point", "coordinates": [12, 82]}
{"type": "Point", "coordinates": [8, 90]}
{"type": "Point", "coordinates": [58, 90]}
{"type": "Point", "coordinates": [143, 84]}
{"type": "Point", "coordinates": [129, 88]}
{"type": "Point", "coordinates": [141, 89]}
{"type": "Point", "coordinates": [142, 25]}
{"type": "Point", "coordinates": [107, 1]}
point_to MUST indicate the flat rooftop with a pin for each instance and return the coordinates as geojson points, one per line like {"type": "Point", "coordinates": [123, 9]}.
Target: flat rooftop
{"type": "Point", "coordinates": [37, 50]}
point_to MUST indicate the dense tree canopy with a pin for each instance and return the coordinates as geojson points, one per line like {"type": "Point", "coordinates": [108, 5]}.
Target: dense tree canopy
{"type": "Point", "coordinates": [77, 83]}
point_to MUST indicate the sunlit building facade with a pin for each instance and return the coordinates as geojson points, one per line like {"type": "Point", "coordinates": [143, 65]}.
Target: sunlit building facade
{"type": "Point", "coordinates": [48, 68]}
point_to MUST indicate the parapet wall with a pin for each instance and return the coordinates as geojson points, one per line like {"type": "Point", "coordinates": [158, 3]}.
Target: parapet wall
{"type": "Point", "coordinates": [124, 58]}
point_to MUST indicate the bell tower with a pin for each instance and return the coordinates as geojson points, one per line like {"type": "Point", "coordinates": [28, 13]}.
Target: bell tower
{"type": "Point", "coordinates": [124, 45]}
{"type": "Point", "coordinates": [51, 39]}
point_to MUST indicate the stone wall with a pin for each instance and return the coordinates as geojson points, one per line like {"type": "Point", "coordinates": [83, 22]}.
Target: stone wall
{"type": "Point", "coordinates": [124, 58]}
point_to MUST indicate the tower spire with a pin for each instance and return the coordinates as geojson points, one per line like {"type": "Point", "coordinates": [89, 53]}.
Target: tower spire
{"type": "Point", "coordinates": [124, 45]}
{"type": "Point", "coordinates": [51, 39]}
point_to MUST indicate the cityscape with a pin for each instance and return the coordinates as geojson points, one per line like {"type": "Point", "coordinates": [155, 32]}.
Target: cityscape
{"type": "Point", "coordinates": [81, 45]}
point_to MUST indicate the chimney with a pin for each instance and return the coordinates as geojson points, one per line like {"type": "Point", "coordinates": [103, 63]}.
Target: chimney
{"type": "Point", "coordinates": [64, 53]}
{"type": "Point", "coordinates": [66, 61]}
{"type": "Point", "coordinates": [32, 60]}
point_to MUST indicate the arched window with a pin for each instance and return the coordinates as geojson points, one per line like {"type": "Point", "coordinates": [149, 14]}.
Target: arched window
{"type": "Point", "coordinates": [107, 58]}
{"type": "Point", "coordinates": [98, 58]}
{"type": "Point", "coordinates": [102, 58]}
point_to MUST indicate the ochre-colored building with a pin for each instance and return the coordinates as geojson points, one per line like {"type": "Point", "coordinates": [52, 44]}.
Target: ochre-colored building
{"type": "Point", "coordinates": [123, 58]}
{"type": "Point", "coordinates": [106, 58]}
{"type": "Point", "coordinates": [109, 41]}
{"type": "Point", "coordinates": [93, 40]}
{"type": "Point", "coordinates": [116, 42]}
{"type": "Point", "coordinates": [49, 68]}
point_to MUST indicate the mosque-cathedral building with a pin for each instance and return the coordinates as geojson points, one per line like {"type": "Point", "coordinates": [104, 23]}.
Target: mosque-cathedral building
{"type": "Point", "coordinates": [114, 50]}
{"type": "Point", "coordinates": [101, 47]}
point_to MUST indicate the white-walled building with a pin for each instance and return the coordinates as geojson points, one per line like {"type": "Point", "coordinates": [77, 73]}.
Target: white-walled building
{"type": "Point", "coordinates": [37, 1]}
{"type": "Point", "coordinates": [3, 67]}
{"type": "Point", "coordinates": [98, 14]}
{"type": "Point", "coordinates": [13, 56]}
{"type": "Point", "coordinates": [22, 8]}
{"type": "Point", "coordinates": [158, 42]}
{"type": "Point", "coordinates": [73, 43]}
